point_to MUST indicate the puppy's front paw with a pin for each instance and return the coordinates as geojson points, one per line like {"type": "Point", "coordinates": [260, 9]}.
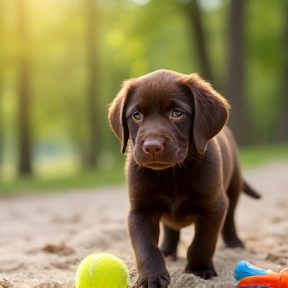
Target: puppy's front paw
{"type": "Point", "coordinates": [153, 281]}
{"type": "Point", "coordinates": [202, 272]}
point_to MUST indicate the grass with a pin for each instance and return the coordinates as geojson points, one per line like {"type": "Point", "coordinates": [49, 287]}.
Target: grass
{"type": "Point", "coordinates": [82, 179]}
{"type": "Point", "coordinates": [251, 156]}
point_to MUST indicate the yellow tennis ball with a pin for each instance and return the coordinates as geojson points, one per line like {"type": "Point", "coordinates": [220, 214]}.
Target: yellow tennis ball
{"type": "Point", "coordinates": [102, 270]}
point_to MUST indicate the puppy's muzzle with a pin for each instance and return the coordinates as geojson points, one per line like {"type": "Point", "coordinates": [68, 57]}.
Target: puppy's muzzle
{"type": "Point", "coordinates": [153, 147]}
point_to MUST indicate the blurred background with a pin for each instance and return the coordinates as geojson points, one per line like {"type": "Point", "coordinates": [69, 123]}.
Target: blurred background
{"type": "Point", "coordinates": [63, 61]}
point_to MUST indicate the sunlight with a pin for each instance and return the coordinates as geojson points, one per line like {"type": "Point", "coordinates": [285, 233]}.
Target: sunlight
{"type": "Point", "coordinates": [142, 2]}
{"type": "Point", "coordinates": [209, 5]}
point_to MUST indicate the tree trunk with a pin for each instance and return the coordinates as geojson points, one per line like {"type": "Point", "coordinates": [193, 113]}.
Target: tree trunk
{"type": "Point", "coordinates": [24, 93]}
{"type": "Point", "coordinates": [92, 67]}
{"type": "Point", "coordinates": [1, 123]}
{"type": "Point", "coordinates": [196, 26]}
{"type": "Point", "coordinates": [284, 96]}
{"type": "Point", "coordinates": [235, 77]}
{"type": "Point", "coordinates": [1, 92]}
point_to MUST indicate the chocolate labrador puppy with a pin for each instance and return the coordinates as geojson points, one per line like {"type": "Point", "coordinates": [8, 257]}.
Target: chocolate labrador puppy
{"type": "Point", "coordinates": [182, 168]}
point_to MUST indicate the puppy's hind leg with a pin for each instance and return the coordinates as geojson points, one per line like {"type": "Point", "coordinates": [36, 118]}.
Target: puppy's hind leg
{"type": "Point", "coordinates": [170, 241]}
{"type": "Point", "coordinates": [229, 233]}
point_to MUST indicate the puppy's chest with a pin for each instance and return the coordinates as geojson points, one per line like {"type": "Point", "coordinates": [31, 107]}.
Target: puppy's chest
{"type": "Point", "coordinates": [179, 214]}
{"type": "Point", "coordinates": [176, 193]}
{"type": "Point", "coordinates": [179, 208]}
{"type": "Point", "coordinates": [175, 203]}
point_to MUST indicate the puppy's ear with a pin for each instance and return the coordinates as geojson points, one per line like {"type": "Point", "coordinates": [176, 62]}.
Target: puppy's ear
{"type": "Point", "coordinates": [211, 111]}
{"type": "Point", "coordinates": [116, 115]}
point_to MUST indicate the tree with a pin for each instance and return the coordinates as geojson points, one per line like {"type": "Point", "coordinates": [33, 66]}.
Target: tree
{"type": "Point", "coordinates": [194, 15]}
{"type": "Point", "coordinates": [24, 91]}
{"type": "Point", "coordinates": [1, 88]}
{"type": "Point", "coordinates": [92, 65]}
{"type": "Point", "coordinates": [235, 78]}
{"type": "Point", "coordinates": [284, 96]}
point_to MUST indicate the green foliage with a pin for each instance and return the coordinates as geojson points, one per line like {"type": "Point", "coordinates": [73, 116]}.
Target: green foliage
{"type": "Point", "coordinates": [253, 156]}
{"type": "Point", "coordinates": [264, 66]}
{"type": "Point", "coordinates": [132, 40]}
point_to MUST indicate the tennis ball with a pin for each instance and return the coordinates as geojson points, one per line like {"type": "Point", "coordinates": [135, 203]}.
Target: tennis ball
{"type": "Point", "coordinates": [102, 270]}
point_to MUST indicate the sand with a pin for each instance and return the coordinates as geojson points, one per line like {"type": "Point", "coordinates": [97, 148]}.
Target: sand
{"type": "Point", "coordinates": [43, 237]}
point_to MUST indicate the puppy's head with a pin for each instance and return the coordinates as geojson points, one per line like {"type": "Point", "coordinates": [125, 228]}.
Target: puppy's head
{"type": "Point", "coordinates": [164, 113]}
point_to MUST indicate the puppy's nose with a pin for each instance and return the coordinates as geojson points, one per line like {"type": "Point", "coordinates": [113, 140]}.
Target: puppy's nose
{"type": "Point", "coordinates": [153, 146]}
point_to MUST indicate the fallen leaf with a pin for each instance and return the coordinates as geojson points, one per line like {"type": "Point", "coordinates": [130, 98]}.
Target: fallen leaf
{"type": "Point", "coordinates": [4, 283]}
{"type": "Point", "coordinates": [49, 285]}
{"type": "Point", "coordinates": [60, 249]}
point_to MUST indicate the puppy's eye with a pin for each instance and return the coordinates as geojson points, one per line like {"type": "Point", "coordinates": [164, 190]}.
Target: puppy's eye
{"type": "Point", "coordinates": [177, 113]}
{"type": "Point", "coordinates": [137, 116]}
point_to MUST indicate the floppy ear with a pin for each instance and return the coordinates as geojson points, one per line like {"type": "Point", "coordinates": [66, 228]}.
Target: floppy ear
{"type": "Point", "coordinates": [117, 117]}
{"type": "Point", "coordinates": [211, 111]}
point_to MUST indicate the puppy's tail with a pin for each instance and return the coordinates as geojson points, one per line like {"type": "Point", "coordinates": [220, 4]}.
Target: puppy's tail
{"type": "Point", "coordinates": [250, 191]}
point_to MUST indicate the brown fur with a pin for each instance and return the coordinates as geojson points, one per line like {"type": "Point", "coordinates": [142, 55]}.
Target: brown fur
{"type": "Point", "coordinates": [182, 168]}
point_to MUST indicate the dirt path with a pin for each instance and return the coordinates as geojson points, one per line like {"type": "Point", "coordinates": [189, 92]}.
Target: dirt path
{"type": "Point", "coordinates": [44, 237]}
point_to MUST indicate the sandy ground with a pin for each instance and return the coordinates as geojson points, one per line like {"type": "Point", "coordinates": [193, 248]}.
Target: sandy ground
{"type": "Point", "coordinates": [44, 237]}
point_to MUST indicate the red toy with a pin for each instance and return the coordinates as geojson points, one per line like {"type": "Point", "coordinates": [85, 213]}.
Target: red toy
{"type": "Point", "coordinates": [250, 276]}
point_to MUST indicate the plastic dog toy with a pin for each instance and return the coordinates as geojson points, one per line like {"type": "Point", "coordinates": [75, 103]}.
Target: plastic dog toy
{"type": "Point", "coordinates": [253, 277]}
